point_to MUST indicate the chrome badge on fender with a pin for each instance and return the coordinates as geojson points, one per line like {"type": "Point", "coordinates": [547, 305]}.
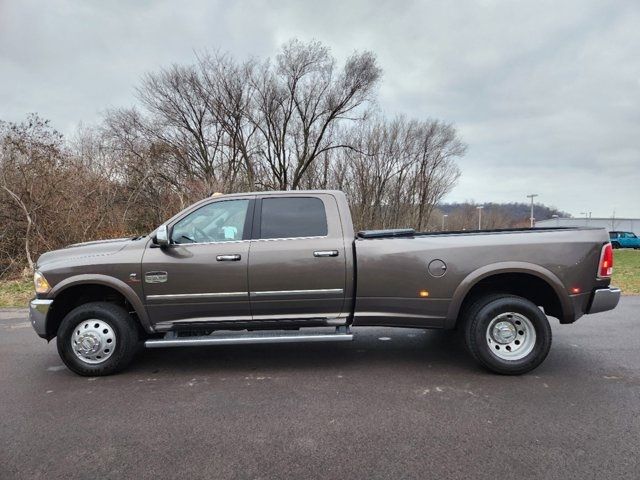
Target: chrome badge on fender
{"type": "Point", "coordinates": [155, 277]}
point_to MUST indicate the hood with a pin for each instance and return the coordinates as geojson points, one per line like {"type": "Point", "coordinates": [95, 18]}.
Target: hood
{"type": "Point", "coordinates": [86, 250]}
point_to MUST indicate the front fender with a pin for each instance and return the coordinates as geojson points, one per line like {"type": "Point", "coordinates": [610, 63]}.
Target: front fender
{"type": "Point", "coordinates": [506, 267]}
{"type": "Point", "coordinates": [108, 281]}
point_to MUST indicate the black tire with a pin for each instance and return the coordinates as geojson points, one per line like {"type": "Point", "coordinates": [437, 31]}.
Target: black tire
{"type": "Point", "coordinates": [478, 318]}
{"type": "Point", "coordinates": [615, 245]}
{"type": "Point", "coordinates": [123, 330]}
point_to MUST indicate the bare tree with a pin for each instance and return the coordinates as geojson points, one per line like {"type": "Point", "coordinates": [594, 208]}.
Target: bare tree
{"type": "Point", "coordinates": [398, 171]}
{"type": "Point", "coordinates": [24, 149]}
{"type": "Point", "coordinates": [436, 173]}
{"type": "Point", "coordinates": [299, 120]}
{"type": "Point", "coordinates": [231, 125]}
{"type": "Point", "coordinates": [299, 105]}
{"type": "Point", "coordinates": [228, 94]}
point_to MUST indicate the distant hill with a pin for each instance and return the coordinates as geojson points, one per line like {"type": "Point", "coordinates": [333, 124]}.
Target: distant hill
{"type": "Point", "coordinates": [515, 211]}
{"type": "Point", "coordinates": [494, 215]}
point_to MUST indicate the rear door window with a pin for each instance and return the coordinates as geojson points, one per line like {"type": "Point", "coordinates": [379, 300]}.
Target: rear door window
{"type": "Point", "coordinates": [293, 217]}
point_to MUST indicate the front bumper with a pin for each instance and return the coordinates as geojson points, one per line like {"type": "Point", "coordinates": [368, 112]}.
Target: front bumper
{"type": "Point", "coordinates": [38, 310]}
{"type": "Point", "coordinates": [604, 299]}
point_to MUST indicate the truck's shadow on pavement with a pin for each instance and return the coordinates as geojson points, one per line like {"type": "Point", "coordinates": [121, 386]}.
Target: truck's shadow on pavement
{"type": "Point", "coordinates": [379, 347]}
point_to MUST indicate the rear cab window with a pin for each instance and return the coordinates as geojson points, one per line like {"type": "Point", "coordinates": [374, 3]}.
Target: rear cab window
{"type": "Point", "coordinates": [292, 217]}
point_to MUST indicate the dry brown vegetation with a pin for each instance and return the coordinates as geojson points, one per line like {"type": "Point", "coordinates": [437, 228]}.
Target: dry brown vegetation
{"type": "Point", "coordinates": [299, 120]}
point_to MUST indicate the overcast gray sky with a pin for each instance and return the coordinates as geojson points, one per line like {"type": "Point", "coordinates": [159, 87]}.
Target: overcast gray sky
{"type": "Point", "coordinates": [545, 93]}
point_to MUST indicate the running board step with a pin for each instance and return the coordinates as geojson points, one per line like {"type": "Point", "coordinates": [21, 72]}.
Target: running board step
{"type": "Point", "coordinates": [171, 340]}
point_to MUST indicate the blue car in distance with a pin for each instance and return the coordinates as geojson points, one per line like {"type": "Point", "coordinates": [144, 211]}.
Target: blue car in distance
{"type": "Point", "coordinates": [624, 240]}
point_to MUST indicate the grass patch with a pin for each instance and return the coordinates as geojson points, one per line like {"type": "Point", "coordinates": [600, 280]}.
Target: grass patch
{"type": "Point", "coordinates": [16, 293]}
{"type": "Point", "coordinates": [626, 271]}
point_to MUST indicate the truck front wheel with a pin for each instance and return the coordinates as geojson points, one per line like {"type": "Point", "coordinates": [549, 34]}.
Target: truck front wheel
{"type": "Point", "coordinates": [507, 334]}
{"type": "Point", "coordinates": [97, 338]}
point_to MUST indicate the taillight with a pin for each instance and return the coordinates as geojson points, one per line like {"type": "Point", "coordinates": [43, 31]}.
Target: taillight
{"type": "Point", "coordinates": [605, 269]}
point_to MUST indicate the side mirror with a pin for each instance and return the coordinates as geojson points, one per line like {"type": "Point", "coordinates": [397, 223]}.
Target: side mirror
{"type": "Point", "coordinates": [162, 236]}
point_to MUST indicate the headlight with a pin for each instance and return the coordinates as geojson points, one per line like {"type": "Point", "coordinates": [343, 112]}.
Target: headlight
{"type": "Point", "coordinates": [41, 284]}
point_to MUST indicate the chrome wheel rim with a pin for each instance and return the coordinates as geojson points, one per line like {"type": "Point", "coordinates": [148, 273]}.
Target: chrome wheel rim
{"type": "Point", "coordinates": [510, 336]}
{"type": "Point", "coordinates": [93, 341]}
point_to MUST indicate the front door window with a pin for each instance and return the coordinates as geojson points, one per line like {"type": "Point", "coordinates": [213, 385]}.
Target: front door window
{"type": "Point", "coordinates": [222, 221]}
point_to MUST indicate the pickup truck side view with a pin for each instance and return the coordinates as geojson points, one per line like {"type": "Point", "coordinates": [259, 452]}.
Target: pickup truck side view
{"type": "Point", "coordinates": [264, 267]}
{"type": "Point", "coordinates": [624, 240]}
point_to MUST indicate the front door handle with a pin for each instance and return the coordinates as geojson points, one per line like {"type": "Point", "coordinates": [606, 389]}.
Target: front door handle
{"type": "Point", "coordinates": [325, 253]}
{"type": "Point", "coordinates": [228, 258]}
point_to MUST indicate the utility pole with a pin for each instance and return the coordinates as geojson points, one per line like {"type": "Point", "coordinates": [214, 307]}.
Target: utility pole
{"type": "Point", "coordinates": [532, 196]}
{"type": "Point", "coordinates": [613, 219]}
{"type": "Point", "coordinates": [444, 218]}
{"type": "Point", "coordinates": [480, 217]}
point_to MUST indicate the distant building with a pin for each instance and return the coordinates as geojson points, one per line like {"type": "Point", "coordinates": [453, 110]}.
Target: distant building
{"type": "Point", "coordinates": [618, 224]}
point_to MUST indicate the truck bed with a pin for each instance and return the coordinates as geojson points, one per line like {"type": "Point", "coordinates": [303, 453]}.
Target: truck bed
{"type": "Point", "coordinates": [410, 232]}
{"type": "Point", "coordinates": [418, 279]}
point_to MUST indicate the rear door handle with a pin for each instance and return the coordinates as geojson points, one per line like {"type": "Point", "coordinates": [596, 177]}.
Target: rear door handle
{"type": "Point", "coordinates": [228, 258]}
{"type": "Point", "coordinates": [325, 253]}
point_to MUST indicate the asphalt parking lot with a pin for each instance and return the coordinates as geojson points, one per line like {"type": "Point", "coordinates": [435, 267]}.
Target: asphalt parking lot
{"type": "Point", "coordinates": [395, 403]}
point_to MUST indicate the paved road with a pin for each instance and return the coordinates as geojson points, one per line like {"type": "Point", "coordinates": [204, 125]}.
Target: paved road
{"type": "Point", "coordinates": [410, 406]}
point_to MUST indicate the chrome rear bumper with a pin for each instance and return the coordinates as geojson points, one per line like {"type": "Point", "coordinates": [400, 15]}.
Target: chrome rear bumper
{"type": "Point", "coordinates": [38, 310]}
{"type": "Point", "coordinates": [604, 299]}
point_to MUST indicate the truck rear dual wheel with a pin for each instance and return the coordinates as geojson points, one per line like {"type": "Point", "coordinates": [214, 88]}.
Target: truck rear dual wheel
{"type": "Point", "coordinates": [97, 338]}
{"type": "Point", "coordinates": [507, 334]}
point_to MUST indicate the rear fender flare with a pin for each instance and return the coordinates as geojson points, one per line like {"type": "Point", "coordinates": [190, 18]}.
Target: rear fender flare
{"type": "Point", "coordinates": [506, 267]}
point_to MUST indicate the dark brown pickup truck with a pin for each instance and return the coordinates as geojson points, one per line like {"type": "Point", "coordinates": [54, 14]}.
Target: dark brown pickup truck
{"type": "Point", "coordinates": [262, 267]}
